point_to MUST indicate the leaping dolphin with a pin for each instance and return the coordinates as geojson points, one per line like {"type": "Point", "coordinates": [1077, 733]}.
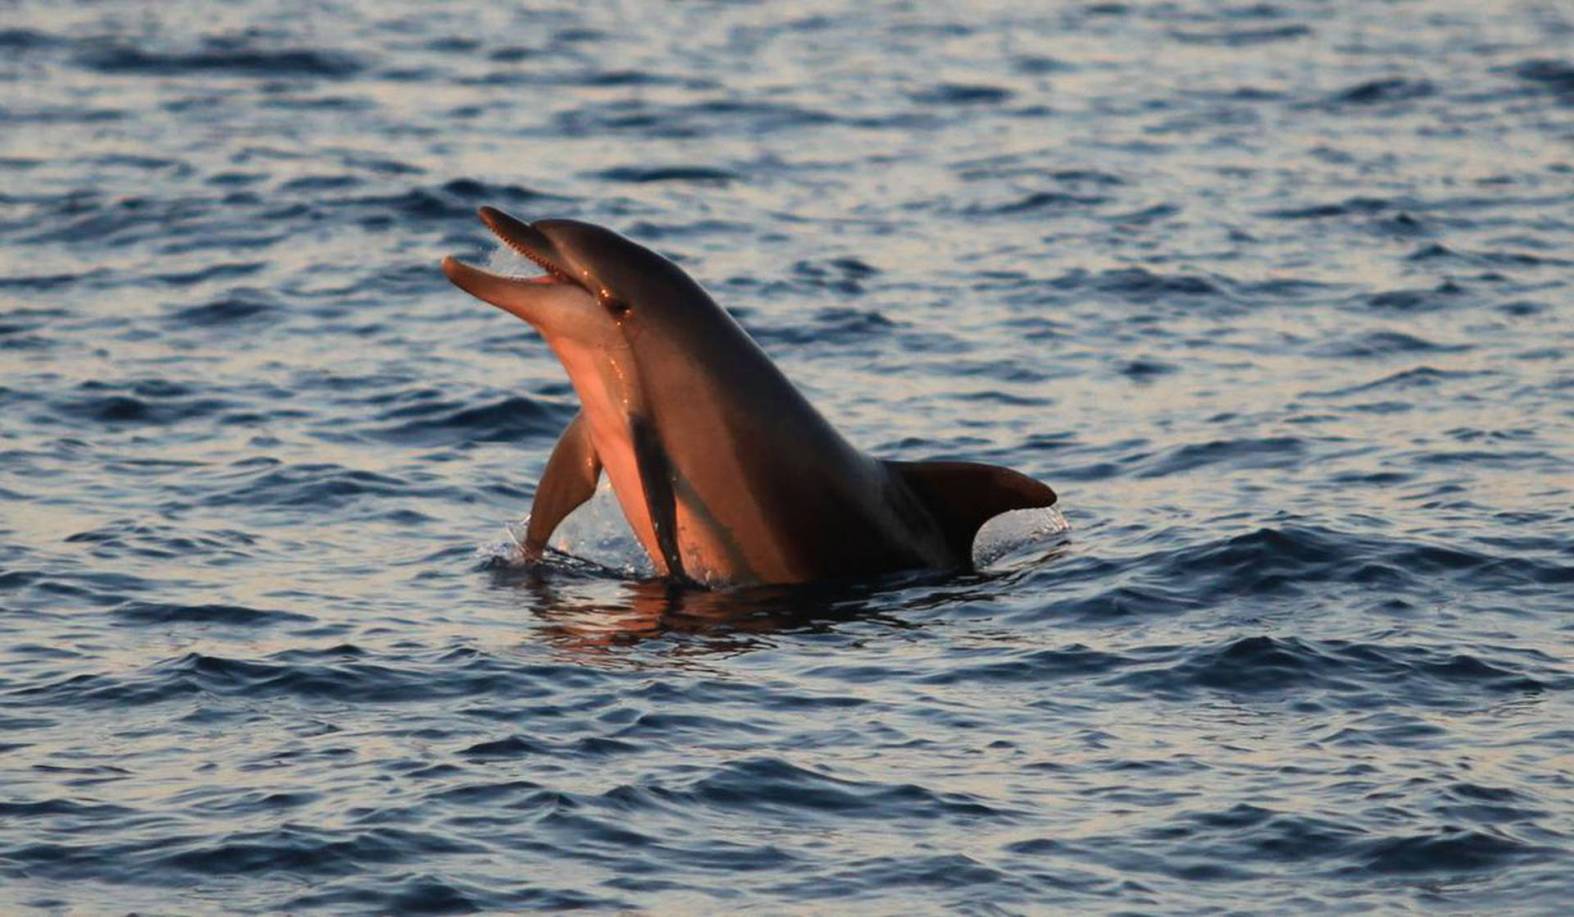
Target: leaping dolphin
{"type": "Point", "coordinates": [725, 472]}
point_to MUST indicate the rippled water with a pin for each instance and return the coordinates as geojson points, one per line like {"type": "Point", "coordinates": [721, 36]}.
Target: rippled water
{"type": "Point", "coordinates": [1276, 295]}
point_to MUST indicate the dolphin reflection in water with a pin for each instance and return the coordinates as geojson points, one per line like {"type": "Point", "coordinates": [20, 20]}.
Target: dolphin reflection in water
{"type": "Point", "coordinates": [726, 474]}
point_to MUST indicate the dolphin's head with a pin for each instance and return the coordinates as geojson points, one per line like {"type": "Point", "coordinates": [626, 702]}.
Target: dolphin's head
{"type": "Point", "coordinates": [597, 283]}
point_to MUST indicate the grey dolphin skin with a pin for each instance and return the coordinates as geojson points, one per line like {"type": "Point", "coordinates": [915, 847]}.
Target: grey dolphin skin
{"type": "Point", "coordinates": [725, 472]}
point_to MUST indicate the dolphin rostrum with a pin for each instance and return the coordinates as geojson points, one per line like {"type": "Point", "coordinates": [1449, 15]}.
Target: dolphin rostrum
{"type": "Point", "coordinates": [725, 472]}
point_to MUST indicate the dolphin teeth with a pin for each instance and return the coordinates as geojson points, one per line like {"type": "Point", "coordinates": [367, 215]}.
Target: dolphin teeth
{"type": "Point", "coordinates": [539, 261]}
{"type": "Point", "coordinates": [550, 268]}
{"type": "Point", "coordinates": [497, 221]}
{"type": "Point", "coordinates": [507, 261]}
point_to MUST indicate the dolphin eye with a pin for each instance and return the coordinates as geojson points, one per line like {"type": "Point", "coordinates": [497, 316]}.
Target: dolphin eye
{"type": "Point", "coordinates": [616, 306]}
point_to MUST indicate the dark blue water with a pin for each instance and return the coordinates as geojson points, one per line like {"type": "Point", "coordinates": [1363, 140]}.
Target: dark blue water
{"type": "Point", "coordinates": [1276, 295]}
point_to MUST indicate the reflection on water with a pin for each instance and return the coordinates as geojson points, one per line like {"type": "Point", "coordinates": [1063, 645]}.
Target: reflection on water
{"type": "Point", "coordinates": [598, 614]}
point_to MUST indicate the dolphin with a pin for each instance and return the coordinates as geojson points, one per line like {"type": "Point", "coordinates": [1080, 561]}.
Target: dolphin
{"type": "Point", "coordinates": [726, 474]}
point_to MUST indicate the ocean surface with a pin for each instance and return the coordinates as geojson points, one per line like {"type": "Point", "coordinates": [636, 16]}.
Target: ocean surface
{"type": "Point", "coordinates": [1277, 295]}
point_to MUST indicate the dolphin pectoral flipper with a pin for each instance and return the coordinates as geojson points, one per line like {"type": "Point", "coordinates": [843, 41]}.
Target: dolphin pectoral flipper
{"type": "Point", "coordinates": [962, 496]}
{"type": "Point", "coordinates": [570, 479]}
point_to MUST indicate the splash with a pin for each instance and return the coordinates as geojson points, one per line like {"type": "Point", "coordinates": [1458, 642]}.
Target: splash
{"type": "Point", "coordinates": [595, 533]}
{"type": "Point", "coordinates": [1022, 531]}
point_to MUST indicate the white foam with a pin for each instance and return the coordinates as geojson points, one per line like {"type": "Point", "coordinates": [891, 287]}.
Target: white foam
{"type": "Point", "coordinates": [1022, 530]}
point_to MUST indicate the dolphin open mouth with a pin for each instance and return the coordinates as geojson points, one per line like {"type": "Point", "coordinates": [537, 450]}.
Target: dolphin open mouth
{"type": "Point", "coordinates": [547, 301]}
{"type": "Point", "coordinates": [521, 238]}
{"type": "Point", "coordinates": [526, 240]}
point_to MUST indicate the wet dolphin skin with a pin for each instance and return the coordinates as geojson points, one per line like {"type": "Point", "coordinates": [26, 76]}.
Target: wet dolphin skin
{"type": "Point", "coordinates": [724, 471]}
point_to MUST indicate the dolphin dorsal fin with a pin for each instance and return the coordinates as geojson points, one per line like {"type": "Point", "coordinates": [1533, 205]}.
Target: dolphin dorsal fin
{"type": "Point", "coordinates": [570, 479]}
{"type": "Point", "coordinates": [962, 496]}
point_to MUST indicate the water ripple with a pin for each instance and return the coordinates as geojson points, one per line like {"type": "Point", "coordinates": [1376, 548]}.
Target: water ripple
{"type": "Point", "coordinates": [1277, 301]}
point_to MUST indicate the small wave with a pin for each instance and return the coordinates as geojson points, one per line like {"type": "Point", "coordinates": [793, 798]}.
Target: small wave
{"type": "Point", "coordinates": [718, 117]}
{"type": "Point", "coordinates": [1450, 851]}
{"type": "Point", "coordinates": [1556, 75]}
{"type": "Point", "coordinates": [1521, 308]}
{"type": "Point", "coordinates": [875, 876]}
{"type": "Point", "coordinates": [1436, 251]}
{"type": "Point", "coordinates": [1138, 284]}
{"type": "Point", "coordinates": [220, 58]}
{"type": "Point", "coordinates": [316, 183]}
{"type": "Point", "coordinates": [1144, 285]}
{"type": "Point", "coordinates": [1040, 65]}
{"type": "Point", "coordinates": [242, 305]}
{"type": "Point", "coordinates": [1038, 201]}
{"type": "Point", "coordinates": [963, 94]}
{"type": "Point", "coordinates": [19, 579]}
{"type": "Point", "coordinates": [27, 39]}
{"type": "Point", "coordinates": [642, 175]}
{"type": "Point", "coordinates": [339, 680]}
{"type": "Point", "coordinates": [1254, 664]}
{"type": "Point", "coordinates": [213, 272]}
{"type": "Point", "coordinates": [1355, 206]}
{"type": "Point", "coordinates": [428, 894]}
{"type": "Point", "coordinates": [453, 200]}
{"type": "Point", "coordinates": [1088, 177]}
{"type": "Point", "coordinates": [1413, 300]}
{"type": "Point", "coordinates": [265, 483]}
{"type": "Point", "coordinates": [1250, 832]}
{"type": "Point", "coordinates": [1143, 216]}
{"type": "Point", "coordinates": [173, 223]}
{"type": "Point", "coordinates": [830, 327]}
{"type": "Point", "coordinates": [771, 784]}
{"type": "Point", "coordinates": [159, 613]}
{"type": "Point", "coordinates": [79, 114]}
{"type": "Point", "coordinates": [304, 851]}
{"type": "Point", "coordinates": [1273, 665]}
{"type": "Point", "coordinates": [843, 275]}
{"type": "Point", "coordinates": [1268, 452]}
{"type": "Point", "coordinates": [1148, 368]}
{"type": "Point", "coordinates": [1417, 377]}
{"type": "Point", "coordinates": [474, 190]}
{"type": "Point", "coordinates": [512, 747]}
{"type": "Point", "coordinates": [142, 163]}
{"type": "Point", "coordinates": [1383, 92]}
{"type": "Point", "coordinates": [1384, 344]}
{"type": "Point", "coordinates": [511, 419]}
{"type": "Point", "coordinates": [1287, 288]}
{"type": "Point", "coordinates": [148, 401]}
{"type": "Point", "coordinates": [635, 78]}
{"type": "Point", "coordinates": [1038, 666]}
{"type": "Point", "coordinates": [1241, 38]}
{"type": "Point", "coordinates": [42, 282]}
{"type": "Point", "coordinates": [329, 677]}
{"type": "Point", "coordinates": [162, 540]}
